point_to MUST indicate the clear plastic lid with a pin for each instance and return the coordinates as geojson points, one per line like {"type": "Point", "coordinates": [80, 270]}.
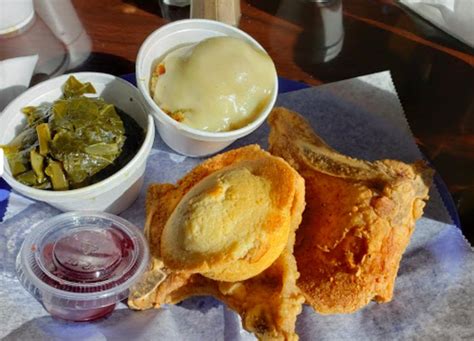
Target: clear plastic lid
{"type": "Point", "coordinates": [82, 260]}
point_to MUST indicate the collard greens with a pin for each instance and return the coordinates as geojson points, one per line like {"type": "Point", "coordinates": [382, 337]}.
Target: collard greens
{"type": "Point", "coordinates": [68, 141]}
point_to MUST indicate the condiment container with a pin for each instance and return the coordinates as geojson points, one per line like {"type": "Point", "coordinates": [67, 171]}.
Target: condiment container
{"type": "Point", "coordinates": [176, 135]}
{"type": "Point", "coordinates": [79, 265]}
{"type": "Point", "coordinates": [15, 16]}
{"type": "Point", "coordinates": [113, 194]}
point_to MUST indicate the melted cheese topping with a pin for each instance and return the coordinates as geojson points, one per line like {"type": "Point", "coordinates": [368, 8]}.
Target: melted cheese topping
{"type": "Point", "coordinates": [219, 84]}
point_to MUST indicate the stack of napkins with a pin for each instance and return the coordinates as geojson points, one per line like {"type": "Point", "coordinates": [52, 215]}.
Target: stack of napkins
{"type": "Point", "coordinates": [455, 17]}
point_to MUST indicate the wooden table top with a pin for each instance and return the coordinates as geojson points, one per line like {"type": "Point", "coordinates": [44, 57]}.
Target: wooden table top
{"type": "Point", "coordinates": [432, 71]}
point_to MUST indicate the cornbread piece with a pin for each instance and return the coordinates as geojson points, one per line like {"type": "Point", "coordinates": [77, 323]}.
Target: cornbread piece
{"type": "Point", "coordinates": [358, 220]}
{"type": "Point", "coordinates": [250, 204]}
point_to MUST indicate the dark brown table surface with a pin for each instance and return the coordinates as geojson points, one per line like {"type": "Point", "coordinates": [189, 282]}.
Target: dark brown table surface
{"type": "Point", "coordinates": [432, 71]}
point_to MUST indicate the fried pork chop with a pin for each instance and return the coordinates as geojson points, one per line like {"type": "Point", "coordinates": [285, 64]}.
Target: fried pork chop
{"type": "Point", "coordinates": [358, 219]}
{"type": "Point", "coordinates": [183, 214]}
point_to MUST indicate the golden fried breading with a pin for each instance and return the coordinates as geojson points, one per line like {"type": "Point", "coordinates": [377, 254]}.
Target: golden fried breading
{"type": "Point", "coordinates": [269, 301]}
{"type": "Point", "coordinates": [358, 219]}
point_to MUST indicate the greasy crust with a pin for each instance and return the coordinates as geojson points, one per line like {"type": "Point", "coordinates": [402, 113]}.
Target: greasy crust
{"type": "Point", "coordinates": [269, 302]}
{"type": "Point", "coordinates": [358, 219]}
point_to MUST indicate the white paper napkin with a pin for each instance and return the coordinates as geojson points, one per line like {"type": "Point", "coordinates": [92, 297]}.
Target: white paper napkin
{"type": "Point", "coordinates": [15, 77]}
{"type": "Point", "coordinates": [361, 117]}
{"type": "Point", "coordinates": [455, 17]}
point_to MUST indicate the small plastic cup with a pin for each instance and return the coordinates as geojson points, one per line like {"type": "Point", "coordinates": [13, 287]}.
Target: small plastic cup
{"type": "Point", "coordinates": [79, 265]}
{"type": "Point", "coordinates": [178, 136]}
